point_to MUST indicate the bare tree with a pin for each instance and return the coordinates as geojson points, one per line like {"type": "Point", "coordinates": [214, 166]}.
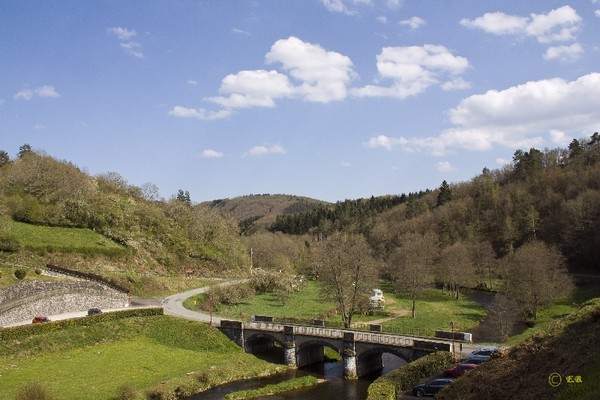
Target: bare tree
{"type": "Point", "coordinates": [502, 316]}
{"type": "Point", "coordinates": [537, 276]}
{"type": "Point", "coordinates": [348, 272]}
{"type": "Point", "coordinates": [455, 268]}
{"type": "Point", "coordinates": [412, 263]}
{"type": "Point", "coordinates": [483, 258]}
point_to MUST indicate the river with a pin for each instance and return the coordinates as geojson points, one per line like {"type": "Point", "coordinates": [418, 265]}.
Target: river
{"type": "Point", "coordinates": [335, 388]}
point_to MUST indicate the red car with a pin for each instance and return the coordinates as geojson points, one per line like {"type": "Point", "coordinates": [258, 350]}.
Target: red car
{"type": "Point", "coordinates": [459, 370]}
{"type": "Point", "coordinates": [39, 319]}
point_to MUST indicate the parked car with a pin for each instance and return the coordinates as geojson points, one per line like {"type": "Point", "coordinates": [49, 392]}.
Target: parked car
{"type": "Point", "coordinates": [483, 353]}
{"type": "Point", "coordinates": [94, 311]}
{"type": "Point", "coordinates": [476, 361]}
{"type": "Point", "coordinates": [39, 319]}
{"type": "Point", "coordinates": [459, 370]}
{"type": "Point", "coordinates": [431, 388]}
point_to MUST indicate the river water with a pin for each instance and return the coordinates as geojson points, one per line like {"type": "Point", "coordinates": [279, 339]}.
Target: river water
{"type": "Point", "coordinates": [335, 388]}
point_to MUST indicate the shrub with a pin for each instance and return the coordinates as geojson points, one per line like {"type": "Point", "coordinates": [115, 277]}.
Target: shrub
{"type": "Point", "coordinates": [34, 391]}
{"type": "Point", "coordinates": [126, 392]}
{"type": "Point", "coordinates": [20, 274]}
{"type": "Point", "coordinates": [405, 377]}
{"type": "Point", "coordinates": [9, 243]}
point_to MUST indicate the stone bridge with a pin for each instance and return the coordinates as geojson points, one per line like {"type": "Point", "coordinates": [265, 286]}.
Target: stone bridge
{"type": "Point", "coordinates": [304, 345]}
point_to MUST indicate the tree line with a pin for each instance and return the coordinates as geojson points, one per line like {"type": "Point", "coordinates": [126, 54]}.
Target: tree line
{"type": "Point", "coordinates": [161, 234]}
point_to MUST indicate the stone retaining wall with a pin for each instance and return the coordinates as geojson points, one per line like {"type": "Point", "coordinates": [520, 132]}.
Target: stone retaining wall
{"type": "Point", "coordinates": [24, 301]}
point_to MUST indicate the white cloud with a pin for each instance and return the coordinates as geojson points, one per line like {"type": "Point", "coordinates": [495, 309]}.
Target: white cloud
{"type": "Point", "coordinates": [125, 37]}
{"type": "Point", "coordinates": [41, 91]}
{"type": "Point", "coordinates": [344, 6]}
{"type": "Point", "coordinates": [337, 6]}
{"type": "Point", "coordinates": [413, 22]}
{"type": "Point", "coordinates": [413, 69]}
{"type": "Point", "coordinates": [385, 141]}
{"type": "Point", "coordinates": [521, 116]}
{"type": "Point", "coordinates": [445, 166]}
{"type": "Point", "coordinates": [558, 25]}
{"type": "Point", "coordinates": [533, 114]}
{"type": "Point", "coordinates": [564, 53]}
{"type": "Point", "coordinates": [597, 13]}
{"type": "Point", "coordinates": [240, 31]}
{"type": "Point", "coordinates": [323, 74]}
{"type": "Point", "coordinates": [200, 113]}
{"type": "Point", "coordinates": [455, 84]}
{"type": "Point", "coordinates": [258, 88]}
{"type": "Point", "coordinates": [265, 150]}
{"type": "Point", "coordinates": [123, 34]}
{"type": "Point", "coordinates": [209, 153]}
{"type": "Point", "coordinates": [346, 164]}
{"type": "Point", "coordinates": [192, 82]}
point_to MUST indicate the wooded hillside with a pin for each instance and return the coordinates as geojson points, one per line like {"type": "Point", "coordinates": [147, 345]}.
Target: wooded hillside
{"type": "Point", "coordinates": [160, 235]}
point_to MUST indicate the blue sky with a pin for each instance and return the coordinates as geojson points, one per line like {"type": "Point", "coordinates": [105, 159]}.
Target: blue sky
{"type": "Point", "coordinates": [331, 99]}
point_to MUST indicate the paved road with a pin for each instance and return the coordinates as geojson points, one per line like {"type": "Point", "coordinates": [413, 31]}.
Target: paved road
{"type": "Point", "coordinates": [173, 305]}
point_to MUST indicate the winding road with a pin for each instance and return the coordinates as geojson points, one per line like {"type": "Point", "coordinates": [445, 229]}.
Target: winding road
{"type": "Point", "coordinates": [173, 305]}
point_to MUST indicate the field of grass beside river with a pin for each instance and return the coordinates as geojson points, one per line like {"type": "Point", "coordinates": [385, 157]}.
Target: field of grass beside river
{"type": "Point", "coordinates": [92, 361]}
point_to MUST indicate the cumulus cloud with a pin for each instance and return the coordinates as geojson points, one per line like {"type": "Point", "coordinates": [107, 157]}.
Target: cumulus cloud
{"type": "Point", "coordinates": [413, 22]}
{"type": "Point", "coordinates": [209, 153]}
{"type": "Point", "coordinates": [125, 37]}
{"type": "Point", "coordinates": [265, 150]}
{"type": "Point", "coordinates": [385, 142]}
{"type": "Point", "coordinates": [525, 115]}
{"type": "Point", "coordinates": [41, 91]}
{"type": "Point", "coordinates": [558, 25]}
{"type": "Point", "coordinates": [319, 76]}
{"type": "Point", "coordinates": [323, 74]}
{"type": "Point", "coordinates": [199, 113]}
{"type": "Point", "coordinates": [533, 114]}
{"type": "Point", "coordinates": [258, 88]}
{"type": "Point", "coordinates": [564, 53]}
{"type": "Point", "coordinates": [413, 69]}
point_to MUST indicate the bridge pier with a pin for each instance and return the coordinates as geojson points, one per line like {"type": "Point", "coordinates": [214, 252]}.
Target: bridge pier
{"type": "Point", "coordinates": [304, 345]}
{"type": "Point", "coordinates": [349, 356]}
{"type": "Point", "coordinates": [235, 331]}
{"type": "Point", "coordinates": [289, 347]}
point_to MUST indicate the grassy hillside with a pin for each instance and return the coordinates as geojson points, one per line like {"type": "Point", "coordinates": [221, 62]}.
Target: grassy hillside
{"type": "Point", "coordinates": [67, 240]}
{"type": "Point", "coordinates": [92, 361]}
{"type": "Point", "coordinates": [567, 348]}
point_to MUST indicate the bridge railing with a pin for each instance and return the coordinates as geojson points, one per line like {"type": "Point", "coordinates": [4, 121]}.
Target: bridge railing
{"type": "Point", "coordinates": [390, 330]}
{"type": "Point", "coordinates": [334, 333]}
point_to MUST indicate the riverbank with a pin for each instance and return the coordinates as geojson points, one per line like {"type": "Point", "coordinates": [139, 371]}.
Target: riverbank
{"type": "Point", "coordinates": [97, 357]}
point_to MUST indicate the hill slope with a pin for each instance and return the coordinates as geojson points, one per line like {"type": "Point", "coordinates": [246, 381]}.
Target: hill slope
{"type": "Point", "coordinates": [568, 348]}
{"type": "Point", "coordinates": [262, 209]}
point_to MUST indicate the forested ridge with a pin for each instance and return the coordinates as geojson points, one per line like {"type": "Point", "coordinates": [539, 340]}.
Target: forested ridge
{"type": "Point", "coordinates": [549, 196]}
{"type": "Point", "coordinates": [161, 235]}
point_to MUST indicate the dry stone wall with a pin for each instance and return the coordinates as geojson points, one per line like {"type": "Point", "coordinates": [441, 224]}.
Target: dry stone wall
{"type": "Point", "coordinates": [24, 301]}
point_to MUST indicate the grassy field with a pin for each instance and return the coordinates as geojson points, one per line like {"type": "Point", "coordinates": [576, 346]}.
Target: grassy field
{"type": "Point", "coordinates": [434, 311]}
{"type": "Point", "coordinates": [305, 304]}
{"type": "Point", "coordinates": [157, 353]}
{"type": "Point", "coordinates": [561, 308]}
{"type": "Point", "coordinates": [7, 276]}
{"type": "Point", "coordinates": [67, 240]}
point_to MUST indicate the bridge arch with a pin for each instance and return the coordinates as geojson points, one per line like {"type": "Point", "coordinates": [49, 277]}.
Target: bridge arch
{"type": "Point", "coordinates": [312, 351]}
{"type": "Point", "coordinates": [371, 359]}
{"type": "Point", "coordinates": [262, 342]}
